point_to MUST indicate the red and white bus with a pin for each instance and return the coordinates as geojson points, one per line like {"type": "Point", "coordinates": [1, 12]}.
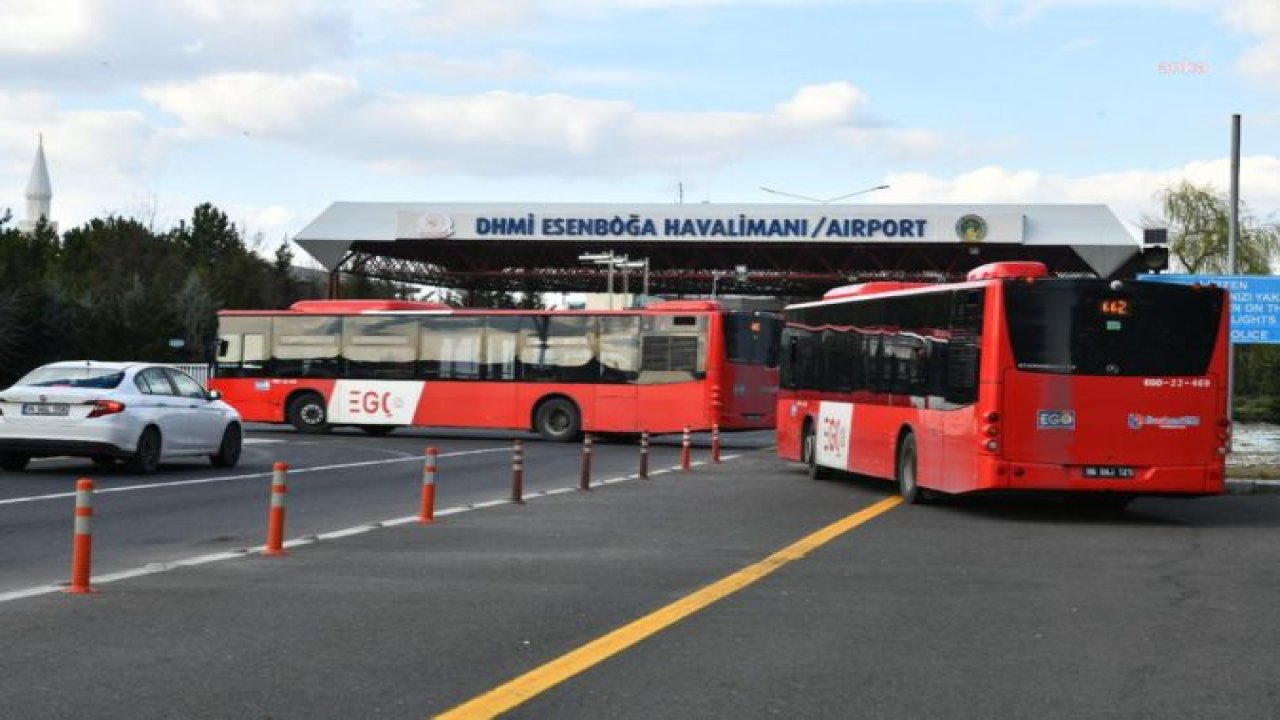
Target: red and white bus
{"type": "Point", "coordinates": [1011, 381]}
{"type": "Point", "coordinates": [381, 364]}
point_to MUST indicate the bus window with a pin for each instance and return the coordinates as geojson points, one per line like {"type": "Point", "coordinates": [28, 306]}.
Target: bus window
{"type": "Point", "coordinates": [619, 349]}
{"type": "Point", "coordinates": [751, 338]}
{"type": "Point", "coordinates": [501, 340]}
{"type": "Point", "coordinates": [379, 347]}
{"type": "Point", "coordinates": [560, 349]}
{"type": "Point", "coordinates": [449, 348]}
{"type": "Point", "coordinates": [1064, 327]}
{"type": "Point", "coordinates": [307, 347]}
{"type": "Point", "coordinates": [242, 346]}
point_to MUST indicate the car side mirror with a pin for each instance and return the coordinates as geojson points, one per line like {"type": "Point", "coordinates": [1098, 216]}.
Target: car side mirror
{"type": "Point", "coordinates": [213, 395]}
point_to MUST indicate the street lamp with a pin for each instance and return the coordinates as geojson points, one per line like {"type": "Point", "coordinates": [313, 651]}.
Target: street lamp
{"type": "Point", "coordinates": [828, 200]}
{"type": "Point", "coordinates": [629, 264]}
{"type": "Point", "coordinates": [602, 259]}
{"type": "Point", "coordinates": [716, 275]}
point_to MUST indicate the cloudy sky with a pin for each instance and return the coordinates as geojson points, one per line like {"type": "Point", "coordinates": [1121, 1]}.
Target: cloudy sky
{"type": "Point", "coordinates": [272, 109]}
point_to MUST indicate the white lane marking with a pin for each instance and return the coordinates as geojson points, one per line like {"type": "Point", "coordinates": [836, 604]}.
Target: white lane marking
{"type": "Point", "coordinates": [153, 568]}
{"type": "Point", "coordinates": [261, 441]}
{"type": "Point", "coordinates": [229, 478]}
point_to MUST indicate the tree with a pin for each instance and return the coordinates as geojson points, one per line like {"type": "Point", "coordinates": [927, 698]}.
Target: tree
{"type": "Point", "coordinates": [1198, 220]}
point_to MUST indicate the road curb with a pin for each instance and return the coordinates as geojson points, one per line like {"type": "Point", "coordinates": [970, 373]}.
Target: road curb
{"type": "Point", "coordinates": [1252, 487]}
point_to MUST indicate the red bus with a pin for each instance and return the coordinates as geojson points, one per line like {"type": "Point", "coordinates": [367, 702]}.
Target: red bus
{"type": "Point", "coordinates": [381, 364]}
{"type": "Point", "coordinates": [1011, 380]}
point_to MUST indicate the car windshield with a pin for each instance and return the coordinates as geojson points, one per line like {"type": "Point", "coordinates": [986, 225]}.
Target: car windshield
{"type": "Point", "coordinates": [79, 377]}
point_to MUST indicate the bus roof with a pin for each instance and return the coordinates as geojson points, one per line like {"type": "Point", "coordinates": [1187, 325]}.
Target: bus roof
{"type": "Point", "coordinates": [363, 307]}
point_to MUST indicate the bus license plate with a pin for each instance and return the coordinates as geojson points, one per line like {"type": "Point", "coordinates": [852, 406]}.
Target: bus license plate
{"type": "Point", "coordinates": [45, 409]}
{"type": "Point", "coordinates": [1108, 472]}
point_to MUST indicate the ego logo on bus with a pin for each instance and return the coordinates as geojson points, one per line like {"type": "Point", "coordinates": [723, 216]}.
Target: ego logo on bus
{"type": "Point", "coordinates": [1056, 420]}
{"type": "Point", "coordinates": [371, 402]}
{"type": "Point", "coordinates": [833, 436]}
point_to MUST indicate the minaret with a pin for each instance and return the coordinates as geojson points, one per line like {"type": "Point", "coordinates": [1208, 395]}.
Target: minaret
{"type": "Point", "coordinates": [39, 194]}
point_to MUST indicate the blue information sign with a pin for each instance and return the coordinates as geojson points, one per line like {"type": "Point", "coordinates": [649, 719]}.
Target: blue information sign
{"type": "Point", "coordinates": [1255, 304]}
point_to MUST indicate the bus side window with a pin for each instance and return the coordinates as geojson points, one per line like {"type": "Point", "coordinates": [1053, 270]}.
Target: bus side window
{"type": "Point", "coordinates": [619, 349]}
{"type": "Point", "coordinates": [255, 350]}
{"type": "Point", "coordinates": [230, 350]}
{"type": "Point", "coordinates": [964, 349]}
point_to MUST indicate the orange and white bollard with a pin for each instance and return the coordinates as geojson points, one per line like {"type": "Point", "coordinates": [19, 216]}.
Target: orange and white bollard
{"type": "Point", "coordinates": [644, 454]}
{"type": "Point", "coordinates": [82, 541]}
{"type": "Point", "coordinates": [275, 516]}
{"type": "Point", "coordinates": [427, 511]}
{"type": "Point", "coordinates": [686, 457]}
{"type": "Point", "coordinates": [715, 443]}
{"type": "Point", "coordinates": [584, 482]}
{"type": "Point", "coordinates": [517, 472]}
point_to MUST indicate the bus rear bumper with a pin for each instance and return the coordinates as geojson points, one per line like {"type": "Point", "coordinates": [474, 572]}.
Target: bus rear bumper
{"type": "Point", "coordinates": [997, 474]}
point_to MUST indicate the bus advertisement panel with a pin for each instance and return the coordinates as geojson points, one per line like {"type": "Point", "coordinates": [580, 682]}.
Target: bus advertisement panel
{"type": "Point", "coordinates": [386, 364]}
{"type": "Point", "coordinates": [1011, 381]}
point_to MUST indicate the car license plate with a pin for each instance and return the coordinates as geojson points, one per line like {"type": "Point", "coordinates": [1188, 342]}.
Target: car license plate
{"type": "Point", "coordinates": [45, 409]}
{"type": "Point", "coordinates": [1108, 472]}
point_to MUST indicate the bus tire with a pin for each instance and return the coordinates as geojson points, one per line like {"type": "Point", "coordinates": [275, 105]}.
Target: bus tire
{"type": "Point", "coordinates": [14, 462]}
{"type": "Point", "coordinates": [308, 414]}
{"type": "Point", "coordinates": [809, 454]}
{"type": "Point", "coordinates": [558, 420]}
{"type": "Point", "coordinates": [908, 477]}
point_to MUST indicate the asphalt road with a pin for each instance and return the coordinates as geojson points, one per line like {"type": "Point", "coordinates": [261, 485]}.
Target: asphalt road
{"type": "Point", "coordinates": [339, 480]}
{"type": "Point", "coordinates": [994, 607]}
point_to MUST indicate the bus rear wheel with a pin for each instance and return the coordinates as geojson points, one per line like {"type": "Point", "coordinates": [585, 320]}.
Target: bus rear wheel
{"type": "Point", "coordinates": [308, 414]}
{"type": "Point", "coordinates": [809, 454]}
{"type": "Point", "coordinates": [908, 478]}
{"type": "Point", "coordinates": [558, 420]}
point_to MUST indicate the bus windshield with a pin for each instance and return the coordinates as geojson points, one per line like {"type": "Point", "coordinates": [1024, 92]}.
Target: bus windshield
{"type": "Point", "coordinates": [1088, 328]}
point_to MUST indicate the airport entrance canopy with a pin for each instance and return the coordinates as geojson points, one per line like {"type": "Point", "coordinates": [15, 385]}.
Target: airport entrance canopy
{"type": "Point", "coordinates": [755, 249]}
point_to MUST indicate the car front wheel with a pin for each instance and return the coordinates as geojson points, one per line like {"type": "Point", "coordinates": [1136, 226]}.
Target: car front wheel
{"type": "Point", "coordinates": [229, 449]}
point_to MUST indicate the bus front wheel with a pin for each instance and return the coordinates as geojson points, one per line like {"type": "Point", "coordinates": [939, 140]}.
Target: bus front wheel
{"type": "Point", "coordinates": [809, 454]}
{"type": "Point", "coordinates": [308, 414]}
{"type": "Point", "coordinates": [558, 420]}
{"type": "Point", "coordinates": [908, 479]}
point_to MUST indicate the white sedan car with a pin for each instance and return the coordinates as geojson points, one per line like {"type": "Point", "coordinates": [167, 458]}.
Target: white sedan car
{"type": "Point", "coordinates": [140, 413]}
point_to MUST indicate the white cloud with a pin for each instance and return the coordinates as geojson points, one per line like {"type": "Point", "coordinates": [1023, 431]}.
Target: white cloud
{"type": "Point", "coordinates": [1262, 19]}
{"type": "Point", "coordinates": [511, 133]}
{"type": "Point", "coordinates": [97, 44]}
{"type": "Point", "coordinates": [836, 103]}
{"type": "Point", "coordinates": [254, 102]}
{"type": "Point", "coordinates": [39, 27]}
{"type": "Point", "coordinates": [1131, 193]}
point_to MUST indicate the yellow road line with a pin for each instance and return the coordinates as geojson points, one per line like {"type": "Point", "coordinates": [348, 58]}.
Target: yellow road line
{"type": "Point", "coordinates": [539, 680]}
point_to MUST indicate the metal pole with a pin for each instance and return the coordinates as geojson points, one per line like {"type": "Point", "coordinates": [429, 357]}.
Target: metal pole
{"type": "Point", "coordinates": [646, 277]}
{"type": "Point", "coordinates": [626, 272]}
{"type": "Point", "coordinates": [1233, 228]}
{"type": "Point", "coordinates": [1233, 238]}
{"type": "Point", "coordinates": [610, 280]}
